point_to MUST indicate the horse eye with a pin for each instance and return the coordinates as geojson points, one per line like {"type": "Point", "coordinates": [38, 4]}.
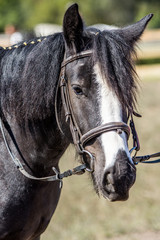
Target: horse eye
{"type": "Point", "coordinates": [77, 90]}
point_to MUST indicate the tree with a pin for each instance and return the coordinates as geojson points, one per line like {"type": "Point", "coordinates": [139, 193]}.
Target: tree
{"type": "Point", "coordinates": [10, 13]}
{"type": "Point", "coordinates": [26, 14]}
{"type": "Point", "coordinates": [149, 6]}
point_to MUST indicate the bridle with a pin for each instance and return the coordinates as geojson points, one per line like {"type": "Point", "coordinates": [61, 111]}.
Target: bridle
{"type": "Point", "coordinates": [80, 140]}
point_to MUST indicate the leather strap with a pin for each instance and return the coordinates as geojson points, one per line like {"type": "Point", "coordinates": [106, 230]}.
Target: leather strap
{"type": "Point", "coordinates": [136, 143]}
{"type": "Point", "coordinates": [112, 126]}
{"type": "Point", "coordinates": [77, 56]}
{"type": "Point", "coordinates": [145, 158]}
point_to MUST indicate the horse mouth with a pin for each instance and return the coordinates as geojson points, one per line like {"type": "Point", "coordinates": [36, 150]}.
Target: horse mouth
{"type": "Point", "coordinates": [117, 191]}
{"type": "Point", "coordinates": [113, 196]}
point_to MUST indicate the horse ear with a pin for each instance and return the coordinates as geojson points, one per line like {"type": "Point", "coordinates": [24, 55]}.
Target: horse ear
{"type": "Point", "coordinates": [73, 27]}
{"type": "Point", "coordinates": [132, 33]}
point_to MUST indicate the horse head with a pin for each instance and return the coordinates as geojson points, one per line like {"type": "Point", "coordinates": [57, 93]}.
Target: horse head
{"type": "Point", "coordinates": [102, 90]}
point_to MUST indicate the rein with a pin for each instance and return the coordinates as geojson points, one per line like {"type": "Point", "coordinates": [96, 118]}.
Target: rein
{"type": "Point", "coordinates": [58, 176]}
{"type": "Point", "coordinates": [79, 139]}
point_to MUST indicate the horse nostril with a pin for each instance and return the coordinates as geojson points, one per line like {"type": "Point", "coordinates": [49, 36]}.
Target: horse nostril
{"type": "Point", "coordinates": [111, 188]}
{"type": "Point", "coordinates": [109, 182]}
{"type": "Point", "coordinates": [110, 178]}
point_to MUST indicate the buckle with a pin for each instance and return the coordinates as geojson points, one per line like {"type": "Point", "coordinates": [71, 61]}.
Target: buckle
{"type": "Point", "coordinates": [87, 154]}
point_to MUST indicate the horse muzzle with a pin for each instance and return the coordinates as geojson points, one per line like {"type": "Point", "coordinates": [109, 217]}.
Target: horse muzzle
{"type": "Point", "coordinates": [118, 179]}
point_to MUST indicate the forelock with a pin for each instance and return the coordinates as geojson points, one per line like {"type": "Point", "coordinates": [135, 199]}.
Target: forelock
{"type": "Point", "coordinates": [115, 58]}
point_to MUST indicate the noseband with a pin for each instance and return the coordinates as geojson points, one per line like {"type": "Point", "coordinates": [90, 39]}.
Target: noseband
{"type": "Point", "coordinates": [80, 140]}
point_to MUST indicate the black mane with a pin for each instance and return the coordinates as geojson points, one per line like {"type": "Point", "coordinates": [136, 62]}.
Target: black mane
{"type": "Point", "coordinates": [28, 77]}
{"type": "Point", "coordinates": [29, 72]}
{"type": "Point", "coordinates": [115, 56]}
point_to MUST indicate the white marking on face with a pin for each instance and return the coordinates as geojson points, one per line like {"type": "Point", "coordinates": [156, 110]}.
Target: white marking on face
{"type": "Point", "coordinates": [111, 111]}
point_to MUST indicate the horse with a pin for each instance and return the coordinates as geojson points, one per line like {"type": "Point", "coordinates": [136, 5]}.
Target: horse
{"type": "Point", "coordinates": [77, 86]}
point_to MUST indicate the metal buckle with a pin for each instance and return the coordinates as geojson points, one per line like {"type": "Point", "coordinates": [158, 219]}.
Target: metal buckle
{"type": "Point", "coordinates": [134, 156]}
{"type": "Point", "coordinates": [91, 161]}
{"type": "Point", "coordinates": [132, 149]}
{"type": "Point", "coordinates": [57, 174]}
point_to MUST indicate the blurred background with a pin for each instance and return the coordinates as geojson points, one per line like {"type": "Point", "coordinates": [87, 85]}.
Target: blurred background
{"type": "Point", "coordinates": [81, 214]}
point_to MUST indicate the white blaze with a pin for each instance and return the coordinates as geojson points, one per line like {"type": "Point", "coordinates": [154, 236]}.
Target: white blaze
{"type": "Point", "coordinates": [111, 111]}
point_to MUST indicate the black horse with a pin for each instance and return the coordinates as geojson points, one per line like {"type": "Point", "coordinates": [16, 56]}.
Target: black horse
{"type": "Point", "coordinates": [101, 86]}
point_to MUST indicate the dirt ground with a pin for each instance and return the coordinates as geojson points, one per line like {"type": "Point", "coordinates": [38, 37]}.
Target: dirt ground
{"type": "Point", "coordinates": [139, 236]}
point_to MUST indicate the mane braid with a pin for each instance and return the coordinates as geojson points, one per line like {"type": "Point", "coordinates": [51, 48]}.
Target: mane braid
{"type": "Point", "coordinates": [23, 44]}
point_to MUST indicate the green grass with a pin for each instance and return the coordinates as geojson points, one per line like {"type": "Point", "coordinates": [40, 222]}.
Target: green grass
{"type": "Point", "coordinates": [81, 215]}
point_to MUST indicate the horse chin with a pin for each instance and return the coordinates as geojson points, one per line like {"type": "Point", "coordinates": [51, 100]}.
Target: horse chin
{"type": "Point", "coordinates": [113, 196]}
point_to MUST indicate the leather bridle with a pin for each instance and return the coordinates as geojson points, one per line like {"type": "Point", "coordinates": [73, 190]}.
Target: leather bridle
{"type": "Point", "coordinates": [80, 140]}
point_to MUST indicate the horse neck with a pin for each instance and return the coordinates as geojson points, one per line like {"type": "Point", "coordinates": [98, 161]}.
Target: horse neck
{"type": "Point", "coordinates": [39, 145]}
